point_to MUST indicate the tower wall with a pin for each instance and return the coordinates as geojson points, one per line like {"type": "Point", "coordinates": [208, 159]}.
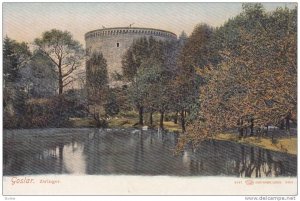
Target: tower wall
{"type": "Point", "coordinates": [114, 42]}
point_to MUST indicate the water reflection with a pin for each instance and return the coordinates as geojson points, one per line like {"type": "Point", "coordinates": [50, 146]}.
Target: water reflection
{"type": "Point", "coordinates": [224, 158]}
{"type": "Point", "coordinates": [74, 159]}
{"type": "Point", "coordinates": [136, 152]}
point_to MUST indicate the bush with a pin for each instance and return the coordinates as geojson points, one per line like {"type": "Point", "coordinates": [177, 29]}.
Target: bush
{"type": "Point", "coordinates": [53, 112]}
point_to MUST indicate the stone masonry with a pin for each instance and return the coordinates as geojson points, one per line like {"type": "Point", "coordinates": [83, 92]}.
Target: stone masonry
{"type": "Point", "coordinates": [113, 43]}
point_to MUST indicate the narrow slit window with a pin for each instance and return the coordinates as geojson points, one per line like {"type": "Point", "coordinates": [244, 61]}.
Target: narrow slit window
{"type": "Point", "coordinates": [118, 44]}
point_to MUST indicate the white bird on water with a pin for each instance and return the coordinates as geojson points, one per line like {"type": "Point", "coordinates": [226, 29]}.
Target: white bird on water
{"type": "Point", "coordinates": [135, 131]}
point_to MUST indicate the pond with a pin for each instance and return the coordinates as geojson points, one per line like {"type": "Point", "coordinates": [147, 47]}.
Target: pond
{"type": "Point", "coordinates": [134, 152]}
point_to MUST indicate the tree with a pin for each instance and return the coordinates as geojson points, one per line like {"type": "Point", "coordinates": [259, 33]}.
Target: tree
{"type": "Point", "coordinates": [182, 39]}
{"type": "Point", "coordinates": [197, 50]}
{"type": "Point", "coordinates": [136, 94]}
{"type": "Point", "coordinates": [194, 53]}
{"type": "Point", "coordinates": [111, 106]}
{"type": "Point", "coordinates": [140, 50]}
{"type": "Point", "coordinates": [129, 65]}
{"type": "Point", "coordinates": [97, 86]}
{"type": "Point", "coordinates": [15, 57]}
{"type": "Point", "coordinates": [253, 85]}
{"type": "Point", "coordinates": [185, 93]}
{"type": "Point", "coordinates": [149, 65]}
{"type": "Point", "coordinates": [65, 53]}
{"type": "Point", "coordinates": [38, 77]}
{"type": "Point", "coordinates": [153, 84]}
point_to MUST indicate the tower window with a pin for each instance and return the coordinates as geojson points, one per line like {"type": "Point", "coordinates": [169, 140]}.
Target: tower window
{"type": "Point", "coordinates": [118, 44]}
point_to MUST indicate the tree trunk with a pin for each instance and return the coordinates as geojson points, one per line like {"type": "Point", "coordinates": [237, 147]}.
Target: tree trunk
{"type": "Point", "coordinates": [176, 117]}
{"type": "Point", "coordinates": [141, 121]}
{"type": "Point", "coordinates": [240, 126]}
{"type": "Point", "coordinates": [287, 123]}
{"type": "Point", "coordinates": [151, 119]}
{"type": "Point", "coordinates": [251, 126]}
{"type": "Point", "coordinates": [267, 131]}
{"type": "Point", "coordinates": [246, 131]}
{"type": "Point", "coordinates": [60, 90]}
{"type": "Point", "coordinates": [182, 121]}
{"type": "Point", "coordinates": [97, 118]}
{"type": "Point", "coordinates": [161, 122]}
{"type": "Point", "coordinates": [281, 124]}
{"type": "Point", "coordinates": [60, 79]}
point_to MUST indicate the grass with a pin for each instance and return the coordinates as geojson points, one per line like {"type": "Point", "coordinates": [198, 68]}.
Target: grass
{"type": "Point", "coordinates": [82, 122]}
{"type": "Point", "coordinates": [285, 144]}
{"type": "Point", "coordinates": [171, 126]}
{"type": "Point", "coordinates": [125, 120]}
{"type": "Point", "coordinates": [121, 122]}
{"type": "Point", "coordinates": [130, 119]}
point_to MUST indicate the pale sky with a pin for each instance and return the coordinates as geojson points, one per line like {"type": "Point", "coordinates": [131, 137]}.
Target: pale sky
{"type": "Point", "coordinates": [26, 21]}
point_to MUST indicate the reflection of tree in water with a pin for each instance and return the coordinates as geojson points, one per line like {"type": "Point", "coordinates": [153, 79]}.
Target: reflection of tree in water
{"type": "Point", "coordinates": [139, 153]}
{"type": "Point", "coordinates": [94, 150]}
{"type": "Point", "coordinates": [259, 163]}
{"type": "Point", "coordinates": [35, 155]}
{"type": "Point", "coordinates": [231, 159]}
{"type": "Point", "coordinates": [143, 153]}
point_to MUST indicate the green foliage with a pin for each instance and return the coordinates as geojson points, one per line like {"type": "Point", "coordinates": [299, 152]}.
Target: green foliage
{"type": "Point", "coordinates": [77, 105]}
{"type": "Point", "coordinates": [38, 77]}
{"type": "Point", "coordinates": [51, 112]}
{"type": "Point", "coordinates": [30, 78]}
{"type": "Point", "coordinates": [42, 112]}
{"type": "Point", "coordinates": [15, 55]}
{"type": "Point", "coordinates": [162, 74]}
{"type": "Point", "coordinates": [97, 70]}
{"type": "Point", "coordinates": [55, 39]}
{"type": "Point", "coordinates": [65, 53]}
{"type": "Point", "coordinates": [140, 51]}
{"type": "Point", "coordinates": [100, 102]}
{"type": "Point", "coordinates": [111, 106]}
{"type": "Point", "coordinates": [97, 77]}
{"type": "Point", "coordinates": [150, 85]}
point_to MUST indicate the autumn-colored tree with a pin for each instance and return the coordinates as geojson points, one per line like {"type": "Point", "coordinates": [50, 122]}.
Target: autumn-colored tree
{"type": "Point", "coordinates": [197, 50]}
{"type": "Point", "coordinates": [254, 83]}
{"type": "Point", "coordinates": [194, 53]}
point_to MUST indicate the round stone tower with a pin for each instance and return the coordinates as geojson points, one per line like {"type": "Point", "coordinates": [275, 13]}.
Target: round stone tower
{"type": "Point", "coordinates": [113, 43]}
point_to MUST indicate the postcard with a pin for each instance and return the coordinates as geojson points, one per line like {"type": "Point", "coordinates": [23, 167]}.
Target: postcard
{"type": "Point", "coordinates": [150, 98]}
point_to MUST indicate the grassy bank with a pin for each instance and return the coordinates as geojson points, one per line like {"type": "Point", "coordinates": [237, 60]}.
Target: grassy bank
{"type": "Point", "coordinates": [129, 120]}
{"type": "Point", "coordinates": [284, 144]}
{"type": "Point", "coordinates": [124, 120]}
{"type": "Point", "coordinates": [82, 122]}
